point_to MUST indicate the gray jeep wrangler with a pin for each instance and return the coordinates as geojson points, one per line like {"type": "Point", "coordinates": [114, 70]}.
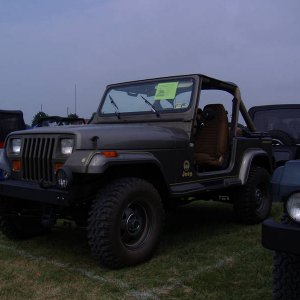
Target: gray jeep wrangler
{"type": "Point", "coordinates": [151, 144]}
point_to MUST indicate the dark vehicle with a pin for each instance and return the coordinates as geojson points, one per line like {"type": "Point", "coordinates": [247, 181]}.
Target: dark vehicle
{"type": "Point", "coordinates": [150, 145]}
{"type": "Point", "coordinates": [282, 122]}
{"type": "Point", "coordinates": [284, 238]}
{"type": "Point", "coordinates": [59, 121]}
{"type": "Point", "coordinates": [10, 120]}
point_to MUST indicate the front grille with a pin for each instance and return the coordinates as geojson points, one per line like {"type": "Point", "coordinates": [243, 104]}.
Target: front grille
{"type": "Point", "coordinates": [37, 158]}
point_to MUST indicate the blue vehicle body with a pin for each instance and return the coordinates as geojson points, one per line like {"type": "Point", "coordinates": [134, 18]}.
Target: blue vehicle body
{"type": "Point", "coordinates": [280, 236]}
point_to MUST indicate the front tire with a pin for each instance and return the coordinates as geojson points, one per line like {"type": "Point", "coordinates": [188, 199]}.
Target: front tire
{"type": "Point", "coordinates": [16, 227]}
{"type": "Point", "coordinates": [286, 275]}
{"type": "Point", "coordinates": [254, 200]}
{"type": "Point", "coordinates": [125, 223]}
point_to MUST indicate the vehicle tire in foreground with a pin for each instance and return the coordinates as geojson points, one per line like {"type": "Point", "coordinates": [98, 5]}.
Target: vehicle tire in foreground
{"type": "Point", "coordinates": [125, 223]}
{"type": "Point", "coordinates": [16, 227]}
{"type": "Point", "coordinates": [286, 275]}
{"type": "Point", "coordinates": [254, 201]}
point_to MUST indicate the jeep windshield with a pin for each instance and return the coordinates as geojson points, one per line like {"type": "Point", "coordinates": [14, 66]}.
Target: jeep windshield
{"type": "Point", "coordinates": [150, 97]}
{"type": "Point", "coordinates": [285, 119]}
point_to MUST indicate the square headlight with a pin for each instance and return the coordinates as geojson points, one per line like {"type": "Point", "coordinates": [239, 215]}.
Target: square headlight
{"type": "Point", "coordinates": [15, 146]}
{"type": "Point", "coordinates": [67, 146]}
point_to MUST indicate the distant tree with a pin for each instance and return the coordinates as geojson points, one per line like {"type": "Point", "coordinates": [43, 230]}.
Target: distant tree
{"type": "Point", "coordinates": [73, 116]}
{"type": "Point", "coordinates": [37, 118]}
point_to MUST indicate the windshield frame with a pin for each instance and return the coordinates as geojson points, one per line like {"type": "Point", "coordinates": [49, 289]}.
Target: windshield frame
{"type": "Point", "coordinates": [151, 113]}
{"type": "Point", "coordinates": [183, 119]}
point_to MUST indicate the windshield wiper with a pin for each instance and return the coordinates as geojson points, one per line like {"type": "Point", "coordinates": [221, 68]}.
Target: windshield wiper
{"type": "Point", "coordinates": [152, 106]}
{"type": "Point", "coordinates": [117, 112]}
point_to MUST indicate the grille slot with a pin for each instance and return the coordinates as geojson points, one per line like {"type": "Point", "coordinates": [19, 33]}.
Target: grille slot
{"type": "Point", "coordinates": [37, 158]}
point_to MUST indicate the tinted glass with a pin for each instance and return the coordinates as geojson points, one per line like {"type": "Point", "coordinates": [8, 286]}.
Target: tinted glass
{"type": "Point", "coordinates": [287, 120]}
{"type": "Point", "coordinates": [10, 122]}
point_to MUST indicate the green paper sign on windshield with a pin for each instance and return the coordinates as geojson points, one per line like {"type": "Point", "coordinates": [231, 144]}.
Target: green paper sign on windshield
{"type": "Point", "coordinates": [166, 90]}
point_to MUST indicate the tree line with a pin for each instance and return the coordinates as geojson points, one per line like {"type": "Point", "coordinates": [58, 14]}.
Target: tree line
{"type": "Point", "coordinates": [38, 117]}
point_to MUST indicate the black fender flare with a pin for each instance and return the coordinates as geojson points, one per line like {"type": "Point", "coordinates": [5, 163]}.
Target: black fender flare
{"type": "Point", "coordinates": [247, 161]}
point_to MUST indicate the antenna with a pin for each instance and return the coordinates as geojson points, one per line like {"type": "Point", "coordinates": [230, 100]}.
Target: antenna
{"type": "Point", "coordinates": [75, 100]}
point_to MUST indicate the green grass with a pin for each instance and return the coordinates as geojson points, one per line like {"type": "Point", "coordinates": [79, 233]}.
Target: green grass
{"type": "Point", "coordinates": [203, 254]}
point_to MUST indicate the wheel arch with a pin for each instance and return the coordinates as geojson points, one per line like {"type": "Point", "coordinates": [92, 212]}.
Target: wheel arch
{"type": "Point", "coordinates": [148, 171]}
{"type": "Point", "coordinates": [255, 157]}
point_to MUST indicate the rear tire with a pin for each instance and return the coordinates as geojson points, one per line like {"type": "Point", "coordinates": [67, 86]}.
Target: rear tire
{"type": "Point", "coordinates": [125, 223]}
{"type": "Point", "coordinates": [254, 201]}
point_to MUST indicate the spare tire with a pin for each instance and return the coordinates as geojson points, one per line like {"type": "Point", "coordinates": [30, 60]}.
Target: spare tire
{"type": "Point", "coordinates": [280, 137]}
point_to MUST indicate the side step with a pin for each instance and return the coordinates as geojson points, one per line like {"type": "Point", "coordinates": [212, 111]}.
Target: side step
{"type": "Point", "coordinates": [191, 188]}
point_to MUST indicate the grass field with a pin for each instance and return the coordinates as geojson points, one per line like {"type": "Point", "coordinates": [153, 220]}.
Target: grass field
{"type": "Point", "coordinates": [204, 254]}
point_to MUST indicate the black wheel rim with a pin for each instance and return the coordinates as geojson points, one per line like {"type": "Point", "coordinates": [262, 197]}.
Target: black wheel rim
{"type": "Point", "coordinates": [135, 224]}
{"type": "Point", "coordinates": [259, 195]}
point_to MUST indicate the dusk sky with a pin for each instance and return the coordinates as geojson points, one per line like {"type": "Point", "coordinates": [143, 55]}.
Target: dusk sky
{"type": "Point", "coordinates": [46, 47]}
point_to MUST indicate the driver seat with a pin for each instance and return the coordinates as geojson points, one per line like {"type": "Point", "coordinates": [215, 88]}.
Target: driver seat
{"type": "Point", "coordinates": [211, 141]}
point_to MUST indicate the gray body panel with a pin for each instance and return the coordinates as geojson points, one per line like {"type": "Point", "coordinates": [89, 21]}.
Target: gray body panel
{"type": "Point", "coordinates": [119, 136]}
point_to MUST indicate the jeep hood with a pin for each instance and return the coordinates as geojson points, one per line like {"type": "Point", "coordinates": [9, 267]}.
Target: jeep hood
{"type": "Point", "coordinates": [118, 136]}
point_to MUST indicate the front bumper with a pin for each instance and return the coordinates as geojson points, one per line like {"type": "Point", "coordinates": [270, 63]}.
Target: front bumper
{"type": "Point", "coordinates": [32, 191]}
{"type": "Point", "coordinates": [281, 237]}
